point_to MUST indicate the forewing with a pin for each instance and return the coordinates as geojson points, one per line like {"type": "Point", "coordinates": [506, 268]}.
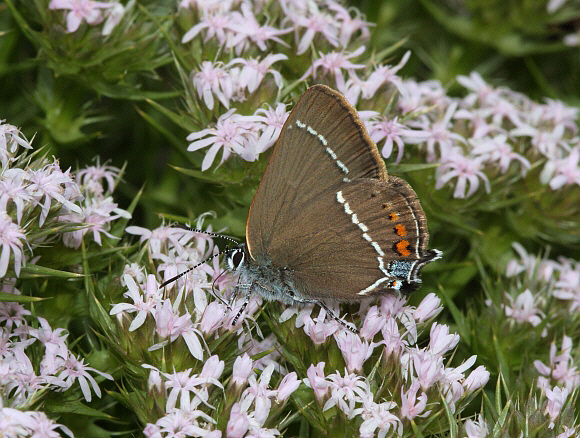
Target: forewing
{"type": "Point", "coordinates": [322, 145]}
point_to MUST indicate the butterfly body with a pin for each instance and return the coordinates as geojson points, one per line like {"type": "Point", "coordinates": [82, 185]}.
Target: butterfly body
{"type": "Point", "coordinates": [327, 221]}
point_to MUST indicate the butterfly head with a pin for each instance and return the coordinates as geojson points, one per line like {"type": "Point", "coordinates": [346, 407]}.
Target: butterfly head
{"type": "Point", "coordinates": [236, 257]}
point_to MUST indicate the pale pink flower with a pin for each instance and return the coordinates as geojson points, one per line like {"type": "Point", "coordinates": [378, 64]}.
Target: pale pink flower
{"type": "Point", "coordinates": [13, 188]}
{"type": "Point", "coordinates": [478, 378]}
{"type": "Point", "coordinates": [441, 134]}
{"type": "Point", "coordinates": [452, 381]}
{"type": "Point", "coordinates": [428, 368]}
{"type": "Point", "coordinates": [250, 33]}
{"type": "Point", "coordinates": [349, 25]}
{"type": "Point", "coordinates": [163, 238]}
{"type": "Point", "coordinates": [562, 171]}
{"type": "Point", "coordinates": [354, 350]}
{"type": "Point", "coordinates": [481, 93]}
{"type": "Point", "coordinates": [385, 74]}
{"type": "Point", "coordinates": [558, 113]}
{"type": "Point", "coordinates": [477, 429]}
{"type": "Point", "coordinates": [287, 386]}
{"type": "Point", "coordinates": [54, 341]}
{"type": "Point", "coordinates": [114, 16]}
{"type": "Point", "coordinates": [212, 368]}
{"type": "Point", "coordinates": [373, 323]}
{"type": "Point", "coordinates": [273, 119]}
{"type": "Point", "coordinates": [524, 309]}
{"type": "Point", "coordinates": [87, 10]}
{"type": "Point", "coordinates": [213, 79]}
{"type": "Point", "coordinates": [346, 391]}
{"type": "Point", "coordinates": [143, 303]}
{"type": "Point", "coordinates": [239, 423]}
{"type": "Point", "coordinates": [531, 265]}
{"type": "Point", "coordinates": [315, 22]}
{"type": "Point", "coordinates": [91, 175]}
{"type": "Point", "coordinates": [479, 124]}
{"type": "Point", "coordinates": [12, 238]}
{"type": "Point", "coordinates": [394, 132]}
{"type": "Point", "coordinates": [411, 406]}
{"type": "Point", "coordinates": [550, 143]}
{"type": "Point", "coordinates": [254, 71]}
{"type": "Point", "coordinates": [10, 139]}
{"type": "Point", "coordinates": [76, 370]}
{"type": "Point", "coordinates": [499, 149]}
{"type": "Point", "coordinates": [216, 24]}
{"type": "Point", "coordinates": [259, 393]}
{"type": "Point", "coordinates": [568, 285]}
{"type": "Point", "coordinates": [561, 366]}
{"type": "Point", "coordinates": [212, 318]}
{"type": "Point", "coordinates": [556, 400]}
{"type": "Point", "coordinates": [318, 328]}
{"type": "Point", "coordinates": [12, 315]}
{"type": "Point", "coordinates": [378, 416]}
{"type": "Point", "coordinates": [393, 341]}
{"type": "Point", "coordinates": [317, 381]}
{"type": "Point", "coordinates": [428, 308]}
{"type": "Point", "coordinates": [568, 432]}
{"type": "Point", "coordinates": [181, 423]}
{"type": "Point", "coordinates": [503, 110]}
{"type": "Point", "coordinates": [421, 96]}
{"type": "Point", "coordinates": [233, 132]}
{"type": "Point", "coordinates": [333, 63]}
{"type": "Point", "coordinates": [50, 183]}
{"type": "Point", "coordinates": [466, 169]}
{"type": "Point", "coordinates": [441, 340]}
{"type": "Point", "coordinates": [242, 369]}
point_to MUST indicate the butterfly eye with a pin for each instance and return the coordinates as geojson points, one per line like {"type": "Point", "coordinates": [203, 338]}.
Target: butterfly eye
{"type": "Point", "coordinates": [236, 259]}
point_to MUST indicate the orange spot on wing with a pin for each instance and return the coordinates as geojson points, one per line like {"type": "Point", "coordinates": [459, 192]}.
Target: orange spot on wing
{"type": "Point", "coordinates": [403, 248]}
{"type": "Point", "coordinates": [394, 216]}
{"type": "Point", "coordinates": [401, 230]}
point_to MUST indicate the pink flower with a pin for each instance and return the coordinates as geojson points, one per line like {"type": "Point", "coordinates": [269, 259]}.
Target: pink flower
{"type": "Point", "coordinates": [348, 24]}
{"type": "Point", "coordinates": [428, 308]}
{"type": "Point", "coordinates": [287, 386]}
{"type": "Point", "coordinates": [394, 132]}
{"type": "Point", "coordinates": [556, 400]}
{"type": "Point", "coordinates": [317, 381]}
{"type": "Point", "coordinates": [233, 132]}
{"type": "Point", "coordinates": [441, 340]}
{"type": "Point", "coordinates": [524, 309]}
{"type": "Point", "coordinates": [212, 368]}
{"type": "Point", "coordinates": [259, 393]}
{"type": "Point", "coordinates": [88, 10]}
{"type": "Point", "coordinates": [213, 317]}
{"type": "Point", "coordinates": [250, 33]}
{"type": "Point", "coordinates": [440, 134]}
{"type": "Point", "coordinates": [499, 149]}
{"type": "Point", "coordinates": [481, 94]}
{"type": "Point", "coordinates": [163, 238]}
{"type": "Point", "coordinates": [216, 23]}
{"type": "Point", "coordinates": [373, 323]}
{"type": "Point", "coordinates": [561, 367]}
{"type": "Point", "coordinates": [11, 239]}
{"type": "Point", "coordinates": [318, 328]}
{"type": "Point", "coordinates": [411, 406]}
{"type": "Point", "coordinates": [562, 172]}
{"type": "Point", "coordinates": [91, 175]}
{"type": "Point", "coordinates": [378, 416]}
{"type": "Point", "coordinates": [13, 188]}
{"type": "Point", "coordinates": [385, 74]}
{"type": "Point", "coordinates": [143, 304]}
{"type": "Point", "coordinates": [550, 143]}
{"type": "Point", "coordinates": [393, 341]}
{"type": "Point", "coordinates": [333, 63]}
{"type": "Point", "coordinates": [254, 71]}
{"type": "Point", "coordinates": [465, 169]}
{"type": "Point", "coordinates": [10, 139]}
{"type": "Point", "coordinates": [242, 369]}
{"type": "Point", "coordinates": [273, 120]}
{"type": "Point", "coordinates": [354, 350]}
{"type": "Point", "coordinates": [315, 22]}
{"type": "Point", "coordinates": [476, 379]}
{"type": "Point", "coordinates": [476, 429]}
{"type": "Point", "coordinates": [213, 79]}
{"type": "Point", "coordinates": [75, 369]}
{"type": "Point", "coordinates": [346, 391]}
{"type": "Point", "coordinates": [238, 424]}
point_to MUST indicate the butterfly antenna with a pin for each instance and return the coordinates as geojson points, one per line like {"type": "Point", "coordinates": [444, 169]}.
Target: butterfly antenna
{"type": "Point", "coordinates": [209, 233]}
{"type": "Point", "coordinates": [178, 276]}
{"type": "Point", "coordinates": [213, 292]}
{"type": "Point", "coordinates": [337, 318]}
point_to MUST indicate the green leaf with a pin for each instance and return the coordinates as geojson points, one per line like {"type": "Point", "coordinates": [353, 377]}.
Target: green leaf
{"type": "Point", "coordinates": [36, 271]}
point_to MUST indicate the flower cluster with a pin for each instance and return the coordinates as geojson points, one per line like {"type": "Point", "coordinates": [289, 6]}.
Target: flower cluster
{"type": "Point", "coordinates": [36, 360]}
{"type": "Point", "coordinates": [92, 12]}
{"type": "Point", "coordinates": [37, 197]}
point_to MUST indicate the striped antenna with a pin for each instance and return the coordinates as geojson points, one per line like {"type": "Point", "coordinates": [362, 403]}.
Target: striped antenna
{"type": "Point", "coordinates": [209, 233]}
{"type": "Point", "coordinates": [178, 276]}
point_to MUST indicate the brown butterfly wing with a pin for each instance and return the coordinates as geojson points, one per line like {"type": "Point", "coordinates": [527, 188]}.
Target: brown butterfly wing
{"type": "Point", "coordinates": [381, 247]}
{"type": "Point", "coordinates": [323, 144]}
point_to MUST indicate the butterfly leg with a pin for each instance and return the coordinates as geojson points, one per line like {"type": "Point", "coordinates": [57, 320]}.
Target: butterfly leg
{"type": "Point", "coordinates": [328, 311]}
